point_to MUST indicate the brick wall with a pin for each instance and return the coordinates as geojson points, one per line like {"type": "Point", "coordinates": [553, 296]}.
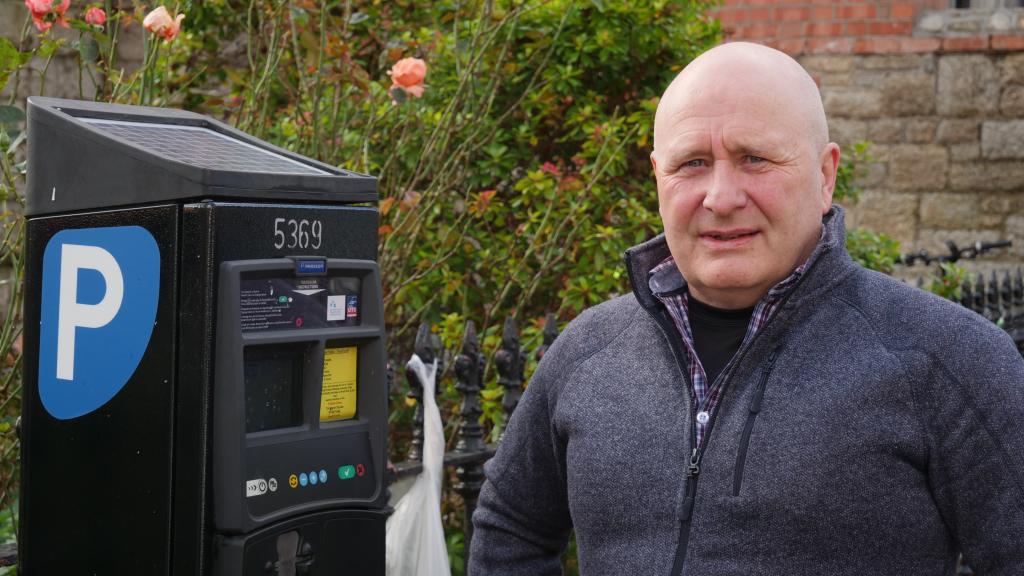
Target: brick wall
{"type": "Point", "coordinates": [939, 93]}
{"type": "Point", "coordinates": [859, 27]}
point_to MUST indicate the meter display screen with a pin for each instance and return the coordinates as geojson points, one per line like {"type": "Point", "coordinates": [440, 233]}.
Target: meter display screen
{"type": "Point", "coordinates": [273, 387]}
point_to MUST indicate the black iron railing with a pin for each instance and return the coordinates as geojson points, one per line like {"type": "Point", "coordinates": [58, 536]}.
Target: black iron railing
{"type": "Point", "coordinates": [471, 449]}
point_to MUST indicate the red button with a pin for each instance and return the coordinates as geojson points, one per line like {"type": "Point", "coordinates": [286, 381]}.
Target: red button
{"type": "Point", "coordinates": [360, 470]}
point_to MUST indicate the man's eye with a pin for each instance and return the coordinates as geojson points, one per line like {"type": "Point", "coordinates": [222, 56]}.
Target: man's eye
{"type": "Point", "coordinates": [697, 163]}
{"type": "Point", "coordinates": [754, 159]}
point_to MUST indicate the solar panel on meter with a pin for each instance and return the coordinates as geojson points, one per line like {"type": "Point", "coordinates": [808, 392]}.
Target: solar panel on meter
{"type": "Point", "coordinates": [203, 147]}
{"type": "Point", "coordinates": [129, 155]}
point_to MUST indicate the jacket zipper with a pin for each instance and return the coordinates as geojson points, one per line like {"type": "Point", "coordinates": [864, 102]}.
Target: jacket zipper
{"type": "Point", "coordinates": [693, 468]}
{"type": "Point", "coordinates": [755, 409]}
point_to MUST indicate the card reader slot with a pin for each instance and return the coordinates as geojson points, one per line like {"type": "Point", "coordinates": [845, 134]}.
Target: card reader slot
{"type": "Point", "coordinates": [356, 332]}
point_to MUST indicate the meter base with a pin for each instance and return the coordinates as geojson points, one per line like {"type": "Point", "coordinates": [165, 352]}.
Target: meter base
{"type": "Point", "coordinates": [329, 543]}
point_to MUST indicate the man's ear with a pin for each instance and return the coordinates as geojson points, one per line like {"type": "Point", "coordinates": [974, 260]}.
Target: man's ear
{"type": "Point", "coordinates": [654, 161]}
{"type": "Point", "coordinates": [829, 170]}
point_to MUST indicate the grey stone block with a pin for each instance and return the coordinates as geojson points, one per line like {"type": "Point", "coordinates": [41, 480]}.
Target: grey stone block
{"type": "Point", "coordinates": [918, 167]}
{"type": "Point", "coordinates": [967, 85]}
{"type": "Point", "coordinates": [1002, 140]}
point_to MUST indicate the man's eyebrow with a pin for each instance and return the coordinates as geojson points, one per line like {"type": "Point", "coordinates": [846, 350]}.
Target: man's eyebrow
{"type": "Point", "coordinates": [686, 150]}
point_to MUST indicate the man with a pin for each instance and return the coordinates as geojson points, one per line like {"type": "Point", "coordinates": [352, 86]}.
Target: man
{"type": "Point", "coordinates": [761, 404]}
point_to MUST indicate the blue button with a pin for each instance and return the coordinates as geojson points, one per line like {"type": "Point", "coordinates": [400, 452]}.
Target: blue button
{"type": "Point", "coordinates": [312, 478]}
{"type": "Point", "coordinates": [303, 479]}
{"type": "Point", "coordinates": [323, 476]}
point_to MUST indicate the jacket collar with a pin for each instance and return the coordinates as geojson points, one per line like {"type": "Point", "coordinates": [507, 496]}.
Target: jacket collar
{"type": "Point", "coordinates": [827, 265]}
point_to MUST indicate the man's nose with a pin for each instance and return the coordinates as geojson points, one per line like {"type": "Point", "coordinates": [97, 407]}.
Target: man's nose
{"type": "Point", "coordinates": [725, 192]}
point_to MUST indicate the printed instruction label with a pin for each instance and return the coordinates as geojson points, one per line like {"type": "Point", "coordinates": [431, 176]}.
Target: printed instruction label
{"type": "Point", "coordinates": [306, 302]}
{"type": "Point", "coordinates": [339, 390]}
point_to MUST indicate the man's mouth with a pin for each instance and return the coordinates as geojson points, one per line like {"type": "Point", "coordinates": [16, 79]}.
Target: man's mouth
{"type": "Point", "coordinates": [726, 235]}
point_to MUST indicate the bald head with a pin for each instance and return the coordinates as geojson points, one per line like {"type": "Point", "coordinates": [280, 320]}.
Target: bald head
{"type": "Point", "coordinates": [745, 70]}
{"type": "Point", "coordinates": [744, 169]}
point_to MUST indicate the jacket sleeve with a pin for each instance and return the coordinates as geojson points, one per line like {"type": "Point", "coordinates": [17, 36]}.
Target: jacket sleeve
{"type": "Point", "coordinates": [521, 524]}
{"type": "Point", "coordinates": [974, 409]}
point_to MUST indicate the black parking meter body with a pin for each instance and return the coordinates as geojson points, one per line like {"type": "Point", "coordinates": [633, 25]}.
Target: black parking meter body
{"type": "Point", "coordinates": [204, 377]}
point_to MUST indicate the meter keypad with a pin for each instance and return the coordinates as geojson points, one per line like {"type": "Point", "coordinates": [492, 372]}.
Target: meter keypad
{"type": "Point", "coordinates": [309, 476]}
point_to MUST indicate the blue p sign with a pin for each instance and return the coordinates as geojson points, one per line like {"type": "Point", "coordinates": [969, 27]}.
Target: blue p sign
{"type": "Point", "coordinates": [99, 300]}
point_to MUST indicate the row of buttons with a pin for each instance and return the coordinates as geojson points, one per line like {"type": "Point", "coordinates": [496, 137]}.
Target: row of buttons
{"type": "Point", "coordinates": [320, 477]}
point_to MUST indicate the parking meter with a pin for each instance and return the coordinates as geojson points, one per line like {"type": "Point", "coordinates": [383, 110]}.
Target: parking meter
{"type": "Point", "coordinates": [204, 374]}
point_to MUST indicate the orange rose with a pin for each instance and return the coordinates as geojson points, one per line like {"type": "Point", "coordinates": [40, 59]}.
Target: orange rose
{"type": "Point", "coordinates": [160, 23]}
{"type": "Point", "coordinates": [47, 12]}
{"type": "Point", "coordinates": [408, 74]}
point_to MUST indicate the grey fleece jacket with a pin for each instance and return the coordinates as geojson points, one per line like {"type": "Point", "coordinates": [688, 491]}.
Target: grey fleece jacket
{"type": "Point", "coordinates": [887, 434]}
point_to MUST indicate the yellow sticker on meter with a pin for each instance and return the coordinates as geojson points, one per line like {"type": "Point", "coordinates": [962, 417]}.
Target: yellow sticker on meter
{"type": "Point", "coordinates": [338, 394]}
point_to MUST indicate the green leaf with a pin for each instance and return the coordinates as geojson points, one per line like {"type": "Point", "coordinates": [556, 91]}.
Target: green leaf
{"type": "Point", "coordinates": [88, 48]}
{"type": "Point", "coordinates": [8, 55]}
{"type": "Point", "coordinates": [11, 116]}
{"type": "Point", "coordinates": [49, 46]}
{"type": "Point", "coordinates": [599, 4]}
{"type": "Point", "coordinates": [17, 138]}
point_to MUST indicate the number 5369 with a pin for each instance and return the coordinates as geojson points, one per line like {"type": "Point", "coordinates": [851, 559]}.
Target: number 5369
{"type": "Point", "coordinates": [292, 233]}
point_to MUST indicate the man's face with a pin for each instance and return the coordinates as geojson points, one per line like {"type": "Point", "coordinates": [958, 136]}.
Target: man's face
{"type": "Point", "coordinates": [741, 189]}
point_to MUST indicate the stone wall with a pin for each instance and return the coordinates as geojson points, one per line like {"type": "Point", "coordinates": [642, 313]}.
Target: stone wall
{"type": "Point", "coordinates": [947, 141]}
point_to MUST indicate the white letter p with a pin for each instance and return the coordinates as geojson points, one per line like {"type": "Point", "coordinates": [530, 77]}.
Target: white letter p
{"type": "Point", "coordinates": [71, 314]}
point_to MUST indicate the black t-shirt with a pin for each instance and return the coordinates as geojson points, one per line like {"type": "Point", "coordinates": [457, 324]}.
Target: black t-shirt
{"type": "Point", "coordinates": [717, 334]}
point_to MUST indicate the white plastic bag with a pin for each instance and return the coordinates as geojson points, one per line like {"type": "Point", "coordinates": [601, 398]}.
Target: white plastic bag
{"type": "Point", "coordinates": [415, 537]}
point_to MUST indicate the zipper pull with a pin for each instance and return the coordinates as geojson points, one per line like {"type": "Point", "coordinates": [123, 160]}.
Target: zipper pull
{"type": "Point", "coordinates": [694, 468]}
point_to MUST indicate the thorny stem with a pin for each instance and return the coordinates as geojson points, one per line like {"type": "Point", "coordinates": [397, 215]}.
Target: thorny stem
{"type": "Point", "coordinates": [21, 48]}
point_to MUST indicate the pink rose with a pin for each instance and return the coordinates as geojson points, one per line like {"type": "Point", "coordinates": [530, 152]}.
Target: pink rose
{"type": "Point", "coordinates": [46, 12]}
{"type": "Point", "coordinates": [95, 16]}
{"type": "Point", "coordinates": [408, 74]}
{"type": "Point", "coordinates": [161, 23]}
{"type": "Point", "coordinates": [550, 169]}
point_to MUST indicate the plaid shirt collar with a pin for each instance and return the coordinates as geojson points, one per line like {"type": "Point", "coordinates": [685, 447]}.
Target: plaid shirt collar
{"type": "Point", "coordinates": [668, 286]}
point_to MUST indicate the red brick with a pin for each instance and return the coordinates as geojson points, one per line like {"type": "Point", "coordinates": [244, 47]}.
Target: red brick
{"type": "Point", "coordinates": [731, 15]}
{"type": "Point", "coordinates": [857, 11]}
{"type": "Point", "coordinates": [854, 29]}
{"type": "Point", "coordinates": [829, 46]}
{"type": "Point", "coordinates": [825, 29]}
{"type": "Point", "coordinates": [891, 44]}
{"type": "Point", "coordinates": [792, 46]}
{"type": "Point", "coordinates": [756, 31]}
{"type": "Point", "coordinates": [902, 10]}
{"type": "Point", "coordinates": [881, 45]}
{"type": "Point", "coordinates": [823, 12]}
{"type": "Point", "coordinates": [967, 44]}
{"type": "Point", "coordinates": [792, 30]}
{"type": "Point", "coordinates": [1008, 42]}
{"type": "Point", "coordinates": [791, 14]}
{"type": "Point", "coordinates": [760, 14]}
{"type": "Point", "coordinates": [918, 45]}
{"type": "Point", "coordinates": [891, 28]}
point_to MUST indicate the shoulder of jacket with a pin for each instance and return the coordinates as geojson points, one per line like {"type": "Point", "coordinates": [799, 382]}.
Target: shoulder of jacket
{"type": "Point", "coordinates": [907, 319]}
{"type": "Point", "coordinates": [586, 335]}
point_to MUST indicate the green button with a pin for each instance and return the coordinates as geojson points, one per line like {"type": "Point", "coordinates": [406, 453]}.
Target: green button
{"type": "Point", "coordinates": [346, 472]}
